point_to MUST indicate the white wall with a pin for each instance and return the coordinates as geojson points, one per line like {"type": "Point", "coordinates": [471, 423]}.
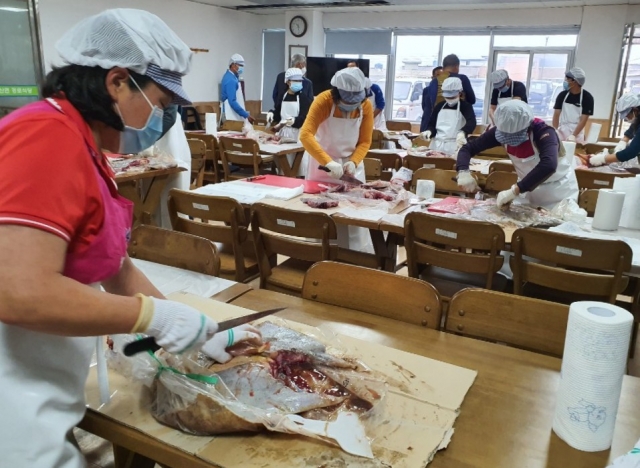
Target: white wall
{"type": "Point", "coordinates": [313, 38]}
{"type": "Point", "coordinates": [220, 30]}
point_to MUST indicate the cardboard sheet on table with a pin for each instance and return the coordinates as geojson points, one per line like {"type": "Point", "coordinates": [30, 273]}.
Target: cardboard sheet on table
{"type": "Point", "coordinates": [423, 401]}
{"type": "Point", "coordinates": [310, 186]}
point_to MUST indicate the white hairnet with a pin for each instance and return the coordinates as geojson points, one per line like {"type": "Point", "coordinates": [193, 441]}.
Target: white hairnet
{"type": "Point", "coordinates": [294, 74]}
{"type": "Point", "coordinates": [513, 116]}
{"type": "Point", "coordinates": [626, 102]}
{"type": "Point", "coordinates": [125, 38]}
{"type": "Point", "coordinates": [578, 75]}
{"type": "Point", "coordinates": [349, 79]}
{"type": "Point", "coordinates": [451, 87]}
{"type": "Point", "coordinates": [236, 58]}
{"type": "Point", "coordinates": [367, 83]}
{"type": "Point", "coordinates": [499, 77]}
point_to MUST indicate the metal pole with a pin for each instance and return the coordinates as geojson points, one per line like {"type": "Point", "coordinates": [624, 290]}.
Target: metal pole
{"type": "Point", "coordinates": [36, 41]}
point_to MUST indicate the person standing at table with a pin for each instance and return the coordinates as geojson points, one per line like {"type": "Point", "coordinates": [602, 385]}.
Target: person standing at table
{"type": "Point", "coordinates": [376, 97]}
{"type": "Point", "coordinates": [280, 88]}
{"type": "Point", "coordinates": [504, 90]}
{"type": "Point", "coordinates": [231, 96]}
{"type": "Point", "coordinates": [573, 107]}
{"type": "Point", "coordinates": [545, 174]}
{"type": "Point", "coordinates": [63, 237]}
{"type": "Point", "coordinates": [628, 108]}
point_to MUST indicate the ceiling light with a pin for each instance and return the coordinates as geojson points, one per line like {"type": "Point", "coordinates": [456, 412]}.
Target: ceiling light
{"type": "Point", "coordinates": [15, 10]}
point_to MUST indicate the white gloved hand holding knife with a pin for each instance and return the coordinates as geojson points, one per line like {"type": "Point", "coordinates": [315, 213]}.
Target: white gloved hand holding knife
{"type": "Point", "coordinates": [467, 181]}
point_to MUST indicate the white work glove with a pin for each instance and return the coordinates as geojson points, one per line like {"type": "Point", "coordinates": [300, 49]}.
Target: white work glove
{"type": "Point", "coordinates": [336, 169]}
{"type": "Point", "coordinates": [571, 138]}
{"type": "Point", "coordinates": [506, 196]}
{"type": "Point", "coordinates": [349, 168]}
{"type": "Point", "coordinates": [178, 327]}
{"type": "Point", "coordinates": [467, 181]}
{"type": "Point", "coordinates": [289, 122]}
{"type": "Point", "coordinates": [622, 145]}
{"type": "Point", "coordinates": [461, 139]}
{"type": "Point", "coordinates": [426, 135]}
{"type": "Point", "coordinates": [269, 117]}
{"type": "Point", "coordinates": [216, 347]}
{"type": "Point", "coordinates": [599, 159]}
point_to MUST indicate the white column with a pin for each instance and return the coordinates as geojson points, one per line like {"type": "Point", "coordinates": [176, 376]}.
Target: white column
{"type": "Point", "coordinates": [313, 38]}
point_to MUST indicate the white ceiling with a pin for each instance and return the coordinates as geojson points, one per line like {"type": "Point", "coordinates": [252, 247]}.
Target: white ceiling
{"type": "Point", "coordinates": [337, 6]}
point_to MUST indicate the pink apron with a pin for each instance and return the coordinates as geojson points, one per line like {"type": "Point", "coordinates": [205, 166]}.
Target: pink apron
{"type": "Point", "coordinates": [43, 376]}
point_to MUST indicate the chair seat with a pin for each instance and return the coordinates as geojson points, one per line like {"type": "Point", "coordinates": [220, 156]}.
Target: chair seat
{"type": "Point", "coordinates": [289, 275]}
{"type": "Point", "coordinates": [228, 264]}
{"type": "Point", "coordinates": [449, 282]}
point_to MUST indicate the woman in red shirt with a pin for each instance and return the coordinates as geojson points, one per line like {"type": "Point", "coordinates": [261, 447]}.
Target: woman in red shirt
{"type": "Point", "coordinates": [64, 229]}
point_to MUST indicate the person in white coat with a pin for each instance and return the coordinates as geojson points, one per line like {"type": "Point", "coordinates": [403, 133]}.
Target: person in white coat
{"type": "Point", "coordinates": [573, 107]}
{"type": "Point", "coordinates": [451, 120]}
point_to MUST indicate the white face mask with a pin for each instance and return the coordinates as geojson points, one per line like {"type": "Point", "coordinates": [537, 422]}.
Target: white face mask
{"type": "Point", "coordinates": [452, 101]}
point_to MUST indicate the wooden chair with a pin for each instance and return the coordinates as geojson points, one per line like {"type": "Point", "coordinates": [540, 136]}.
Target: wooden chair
{"type": "Point", "coordinates": [501, 166]}
{"type": "Point", "coordinates": [453, 254]}
{"type": "Point", "coordinates": [231, 230]}
{"type": "Point", "coordinates": [398, 126]}
{"type": "Point", "coordinates": [213, 166]}
{"type": "Point", "coordinates": [243, 152]}
{"type": "Point", "coordinates": [594, 148]}
{"type": "Point", "coordinates": [304, 237]}
{"type": "Point", "coordinates": [498, 151]}
{"type": "Point", "coordinates": [418, 142]}
{"type": "Point", "coordinates": [232, 125]}
{"type": "Point", "coordinates": [377, 139]}
{"type": "Point", "coordinates": [418, 162]}
{"type": "Point", "coordinates": [392, 296]}
{"type": "Point", "coordinates": [498, 181]}
{"type": "Point", "coordinates": [203, 109]}
{"type": "Point", "coordinates": [372, 169]}
{"type": "Point", "coordinates": [479, 130]}
{"type": "Point", "coordinates": [175, 249]}
{"type": "Point", "coordinates": [588, 200]}
{"type": "Point", "coordinates": [565, 268]}
{"type": "Point", "coordinates": [446, 184]}
{"type": "Point", "coordinates": [597, 180]}
{"type": "Point", "coordinates": [190, 118]}
{"type": "Point", "coordinates": [198, 150]}
{"type": "Point", "coordinates": [389, 160]}
{"type": "Point", "coordinates": [526, 323]}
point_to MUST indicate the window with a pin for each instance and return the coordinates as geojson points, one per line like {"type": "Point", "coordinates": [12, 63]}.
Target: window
{"type": "Point", "coordinates": [541, 40]}
{"type": "Point", "coordinates": [629, 74]}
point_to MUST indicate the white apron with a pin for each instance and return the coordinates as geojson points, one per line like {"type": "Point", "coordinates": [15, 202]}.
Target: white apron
{"type": "Point", "coordinates": [505, 99]}
{"type": "Point", "coordinates": [339, 138]}
{"type": "Point", "coordinates": [291, 109]}
{"type": "Point", "coordinates": [448, 125]}
{"type": "Point", "coordinates": [562, 184]}
{"type": "Point", "coordinates": [569, 118]}
{"type": "Point", "coordinates": [229, 113]}
{"type": "Point", "coordinates": [379, 122]}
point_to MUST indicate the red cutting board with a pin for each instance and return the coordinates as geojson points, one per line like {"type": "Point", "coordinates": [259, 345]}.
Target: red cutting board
{"type": "Point", "coordinates": [310, 186]}
{"type": "Point", "coordinates": [447, 205]}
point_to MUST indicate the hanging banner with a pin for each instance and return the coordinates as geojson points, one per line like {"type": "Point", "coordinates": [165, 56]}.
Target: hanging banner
{"type": "Point", "coordinates": [18, 90]}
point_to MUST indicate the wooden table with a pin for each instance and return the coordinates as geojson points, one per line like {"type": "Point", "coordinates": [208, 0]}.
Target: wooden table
{"type": "Point", "coordinates": [145, 202]}
{"type": "Point", "coordinates": [280, 152]}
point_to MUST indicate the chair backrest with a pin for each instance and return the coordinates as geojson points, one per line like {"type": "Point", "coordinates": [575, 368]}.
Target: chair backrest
{"type": "Point", "coordinates": [372, 168]}
{"type": "Point", "coordinates": [398, 126]}
{"type": "Point", "coordinates": [198, 149]}
{"type": "Point", "coordinates": [454, 244]}
{"type": "Point", "coordinates": [588, 200]}
{"type": "Point", "coordinates": [390, 295]}
{"type": "Point", "coordinates": [175, 249]}
{"type": "Point", "coordinates": [232, 125]}
{"type": "Point", "coordinates": [445, 180]}
{"type": "Point", "coordinates": [519, 321]}
{"type": "Point", "coordinates": [499, 151]}
{"type": "Point", "coordinates": [597, 180]}
{"type": "Point", "coordinates": [479, 130]}
{"type": "Point", "coordinates": [389, 160]}
{"type": "Point", "coordinates": [418, 142]}
{"type": "Point", "coordinates": [592, 267]}
{"type": "Point", "coordinates": [376, 139]}
{"type": "Point", "coordinates": [501, 166]}
{"type": "Point", "coordinates": [203, 109]}
{"type": "Point", "coordinates": [498, 181]}
{"type": "Point", "coordinates": [190, 118]}
{"type": "Point", "coordinates": [198, 210]}
{"type": "Point", "coordinates": [418, 162]}
{"type": "Point", "coordinates": [241, 152]}
{"type": "Point", "coordinates": [593, 148]}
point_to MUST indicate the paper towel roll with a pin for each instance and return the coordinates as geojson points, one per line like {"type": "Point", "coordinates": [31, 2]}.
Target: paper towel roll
{"type": "Point", "coordinates": [425, 188]}
{"type": "Point", "coordinates": [211, 124]}
{"type": "Point", "coordinates": [569, 148]}
{"type": "Point", "coordinates": [608, 210]}
{"type": "Point", "coordinates": [593, 364]}
{"type": "Point", "coordinates": [594, 133]}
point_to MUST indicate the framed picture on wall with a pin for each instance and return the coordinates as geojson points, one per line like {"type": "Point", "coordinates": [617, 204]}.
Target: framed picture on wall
{"type": "Point", "coordinates": [297, 49]}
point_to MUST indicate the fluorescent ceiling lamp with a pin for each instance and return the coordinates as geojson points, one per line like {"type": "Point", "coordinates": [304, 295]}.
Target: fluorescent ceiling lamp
{"type": "Point", "coordinates": [15, 10]}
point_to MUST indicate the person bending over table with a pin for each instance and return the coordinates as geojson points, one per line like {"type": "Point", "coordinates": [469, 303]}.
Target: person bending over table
{"type": "Point", "coordinates": [628, 107]}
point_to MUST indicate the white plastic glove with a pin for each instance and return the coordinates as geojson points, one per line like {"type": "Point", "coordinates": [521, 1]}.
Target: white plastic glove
{"type": "Point", "coordinates": [269, 117]}
{"type": "Point", "coordinates": [571, 138]}
{"type": "Point", "coordinates": [461, 139]}
{"type": "Point", "coordinates": [599, 159]}
{"type": "Point", "coordinates": [216, 347]}
{"type": "Point", "coordinates": [506, 196]}
{"type": "Point", "coordinates": [426, 135]}
{"type": "Point", "coordinates": [349, 168]}
{"type": "Point", "coordinates": [467, 181]}
{"type": "Point", "coordinates": [178, 327]}
{"type": "Point", "coordinates": [620, 146]}
{"type": "Point", "coordinates": [289, 122]}
{"type": "Point", "coordinates": [336, 169]}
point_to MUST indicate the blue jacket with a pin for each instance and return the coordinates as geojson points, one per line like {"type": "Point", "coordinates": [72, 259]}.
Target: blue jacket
{"type": "Point", "coordinates": [377, 92]}
{"type": "Point", "coordinates": [281, 87]}
{"type": "Point", "coordinates": [230, 85]}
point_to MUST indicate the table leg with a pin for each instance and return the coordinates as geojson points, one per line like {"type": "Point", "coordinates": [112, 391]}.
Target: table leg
{"type": "Point", "coordinates": [283, 164]}
{"type": "Point", "coordinates": [151, 199]}
{"type": "Point", "coordinates": [297, 160]}
{"type": "Point", "coordinates": [125, 458]}
{"type": "Point", "coordinates": [130, 191]}
{"type": "Point", "coordinates": [386, 251]}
